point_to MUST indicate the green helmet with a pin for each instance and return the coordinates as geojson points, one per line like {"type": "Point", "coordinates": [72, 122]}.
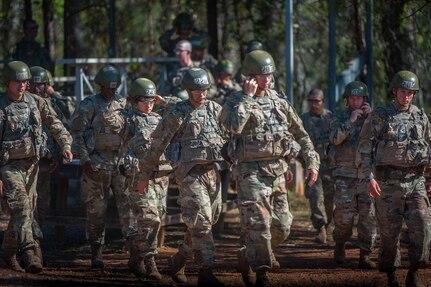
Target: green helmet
{"type": "Point", "coordinates": [108, 77]}
{"type": "Point", "coordinates": [225, 66]}
{"type": "Point", "coordinates": [405, 80]}
{"type": "Point", "coordinates": [355, 88]}
{"type": "Point", "coordinates": [196, 79]}
{"type": "Point", "coordinates": [183, 21]}
{"type": "Point", "coordinates": [258, 62]}
{"type": "Point", "coordinates": [199, 42]}
{"type": "Point", "coordinates": [142, 87]}
{"type": "Point", "coordinates": [16, 71]}
{"type": "Point", "coordinates": [50, 78]}
{"type": "Point", "coordinates": [38, 75]}
{"type": "Point", "coordinates": [254, 45]}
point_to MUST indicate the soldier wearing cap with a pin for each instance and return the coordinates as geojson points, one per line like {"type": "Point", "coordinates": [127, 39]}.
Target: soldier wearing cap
{"type": "Point", "coordinates": [394, 152]}
{"type": "Point", "coordinates": [98, 149]}
{"type": "Point", "coordinates": [320, 195]}
{"type": "Point", "coordinates": [200, 55]}
{"type": "Point", "coordinates": [191, 129]}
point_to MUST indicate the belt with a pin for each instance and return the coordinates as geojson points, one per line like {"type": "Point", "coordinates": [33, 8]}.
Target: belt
{"type": "Point", "coordinates": [385, 172]}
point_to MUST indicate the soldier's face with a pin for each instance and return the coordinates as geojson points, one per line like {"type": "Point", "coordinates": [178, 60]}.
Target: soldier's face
{"type": "Point", "coordinates": [38, 89]}
{"type": "Point", "coordinates": [108, 93]}
{"type": "Point", "coordinates": [316, 106]}
{"type": "Point", "coordinates": [198, 97]}
{"type": "Point", "coordinates": [264, 81]}
{"type": "Point", "coordinates": [30, 30]}
{"type": "Point", "coordinates": [355, 102]}
{"type": "Point", "coordinates": [145, 105]}
{"type": "Point", "coordinates": [404, 97]}
{"type": "Point", "coordinates": [16, 89]}
{"type": "Point", "coordinates": [182, 55]}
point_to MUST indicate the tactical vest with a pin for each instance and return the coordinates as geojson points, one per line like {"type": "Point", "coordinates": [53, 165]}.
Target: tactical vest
{"type": "Point", "coordinates": [200, 140]}
{"type": "Point", "coordinates": [402, 139]}
{"type": "Point", "coordinates": [99, 137]}
{"type": "Point", "coordinates": [318, 129]}
{"type": "Point", "coordinates": [269, 140]}
{"type": "Point", "coordinates": [344, 154]}
{"type": "Point", "coordinates": [22, 129]}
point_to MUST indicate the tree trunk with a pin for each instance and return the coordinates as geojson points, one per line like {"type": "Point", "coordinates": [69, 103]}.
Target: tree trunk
{"type": "Point", "coordinates": [48, 27]}
{"type": "Point", "coordinates": [212, 27]}
{"type": "Point", "coordinates": [28, 10]}
{"type": "Point", "coordinates": [73, 42]}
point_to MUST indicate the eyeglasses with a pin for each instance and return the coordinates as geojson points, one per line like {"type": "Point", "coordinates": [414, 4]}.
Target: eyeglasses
{"type": "Point", "coordinates": [145, 101]}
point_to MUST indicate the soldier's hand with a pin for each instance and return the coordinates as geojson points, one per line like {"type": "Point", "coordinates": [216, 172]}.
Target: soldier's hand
{"type": "Point", "coordinates": [1, 188]}
{"type": "Point", "coordinates": [159, 100]}
{"type": "Point", "coordinates": [50, 90]}
{"type": "Point", "coordinates": [142, 186]}
{"type": "Point", "coordinates": [250, 87]}
{"type": "Point", "coordinates": [311, 175]}
{"type": "Point", "coordinates": [366, 109]}
{"type": "Point", "coordinates": [374, 188]}
{"type": "Point", "coordinates": [91, 171]}
{"type": "Point", "coordinates": [288, 176]}
{"type": "Point", "coordinates": [67, 156]}
{"type": "Point", "coordinates": [356, 114]}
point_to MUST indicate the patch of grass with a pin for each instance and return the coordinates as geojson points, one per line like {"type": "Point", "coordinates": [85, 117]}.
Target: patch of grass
{"type": "Point", "coordinates": [299, 205]}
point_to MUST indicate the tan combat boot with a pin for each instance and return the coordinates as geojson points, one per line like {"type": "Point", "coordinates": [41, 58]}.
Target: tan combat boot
{"type": "Point", "coordinates": [206, 278]}
{"type": "Point", "coordinates": [340, 253]}
{"type": "Point", "coordinates": [96, 256]}
{"type": "Point", "coordinates": [413, 279]}
{"type": "Point", "coordinates": [365, 261]}
{"type": "Point", "coordinates": [177, 262]}
{"type": "Point", "coordinates": [244, 268]}
{"type": "Point", "coordinates": [151, 268]}
{"type": "Point", "coordinates": [32, 263]}
{"type": "Point", "coordinates": [321, 236]}
{"type": "Point", "coordinates": [8, 260]}
{"type": "Point", "coordinates": [136, 263]}
{"type": "Point", "coordinates": [262, 278]}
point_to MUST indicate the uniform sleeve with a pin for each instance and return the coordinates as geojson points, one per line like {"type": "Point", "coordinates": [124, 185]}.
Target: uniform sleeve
{"type": "Point", "coordinates": [164, 41]}
{"type": "Point", "coordinates": [340, 130]}
{"type": "Point", "coordinates": [236, 112]}
{"type": "Point", "coordinates": [115, 121]}
{"type": "Point", "coordinates": [80, 122]}
{"type": "Point", "coordinates": [301, 136]}
{"type": "Point", "coordinates": [53, 123]}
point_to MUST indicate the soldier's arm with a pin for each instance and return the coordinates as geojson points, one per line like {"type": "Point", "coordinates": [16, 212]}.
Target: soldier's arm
{"type": "Point", "coordinates": [301, 136]}
{"type": "Point", "coordinates": [237, 111]}
{"type": "Point", "coordinates": [80, 122]}
{"type": "Point", "coordinates": [164, 40]}
{"type": "Point", "coordinates": [116, 121]}
{"type": "Point", "coordinates": [340, 130]}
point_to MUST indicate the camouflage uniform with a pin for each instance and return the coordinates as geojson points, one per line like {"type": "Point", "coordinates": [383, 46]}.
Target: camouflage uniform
{"type": "Point", "coordinates": [264, 130]}
{"type": "Point", "coordinates": [400, 142]}
{"type": "Point", "coordinates": [208, 63]}
{"type": "Point", "coordinates": [168, 43]}
{"type": "Point", "coordinates": [351, 195]}
{"type": "Point", "coordinates": [224, 91]}
{"type": "Point", "coordinates": [135, 129]}
{"type": "Point", "coordinates": [33, 54]}
{"type": "Point", "coordinates": [65, 105]}
{"type": "Point", "coordinates": [94, 142]}
{"type": "Point", "coordinates": [22, 145]}
{"type": "Point", "coordinates": [321, 194]}
{"type": "Point", "coordinates": [196, 149]}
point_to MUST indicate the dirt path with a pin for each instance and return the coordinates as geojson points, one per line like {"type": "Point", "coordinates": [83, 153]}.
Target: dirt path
{"type": "Point", "coordinates": [303, 262]}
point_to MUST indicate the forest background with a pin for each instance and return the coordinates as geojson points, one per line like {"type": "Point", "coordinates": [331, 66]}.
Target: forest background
{"type": "Point", "coordinates": [80, 29]}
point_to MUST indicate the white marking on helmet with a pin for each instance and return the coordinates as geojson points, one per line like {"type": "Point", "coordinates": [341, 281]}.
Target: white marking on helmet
{"type": "Point", "coordinates": [37, 79]}
{"type": "Point", "coordinates": [22, 76]}
{"type": "Point", "coordinates": [356, 92]}
{"type": "Point", "coordinates": [407, 84]}
{"type": "Point", "coordinates": [267, 69]}
{"type": "Point", "coordinates": [112, 85]}
{"type": "Point", "coordinates": [201, 81]}
{"type": "Point", "coordinates": [150, 92]}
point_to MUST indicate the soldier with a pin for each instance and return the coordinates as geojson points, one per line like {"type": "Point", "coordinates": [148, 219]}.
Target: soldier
{"type": "Point", "coordinates": [351, 196]}
{"type": "Point", "coordinates": [321, 194]}
{"type": "Point", "coordinates": [173, 86]}
{"type": "Point", "coordinates": [149, 208]}
{"type": "Point", "coordinates": [65, 104]}
{"type": "Point", "coordinates": [192, 128]}
{"type": "Point", "coordinates": [99, 152]}
{"type": "Point", "coordinates": [22, 145]}
{"type": "Point", "coordinates": [183, 28]}
{"type": "Point", "coordinates": [251, 46]}
{"type": "Point", "coordinates": [199, 53]}
{"type": "Point", "coordinates": [225, 85]}
{"type": "Point", "coordinates": [264, 131]}
{"type": "Point", "coordinates": [29, 50]}
{"type": "Point", "coordinates": [394, 151]}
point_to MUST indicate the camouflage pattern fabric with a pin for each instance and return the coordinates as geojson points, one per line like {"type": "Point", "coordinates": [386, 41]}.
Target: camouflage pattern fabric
{"type": "Point", "coordinates": [168, 43]}
{"type": "Point", "coordinates": [33, 54]}
{"type": "Point", "coordinates": [64, 105]}
{"type": "Point", "coordinates": [351, 199]}
{"type": "Point", "coordinates": [208, 63]}
{"type": "Point", "coordinates": [264, 130]}
{"type": "Point", "coordinates": [404, 137]}
{"type": "Point", "coordinates": [321, 194]}
{"type": "Point", "coordinates": [43, 188]}
{"type": "Point", "coordinates": [224, 91]}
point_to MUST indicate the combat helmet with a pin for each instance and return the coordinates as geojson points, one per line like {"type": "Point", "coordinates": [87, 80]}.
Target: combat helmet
{"type": "Point", "coordinates": [225, 66]}
{"type": "Point", "coordinates": [50, 78]}
{"type": "Point", "coordinates": [355, 88]}
{"type": "Point", "coordinates": [142, 87]}
{"type": "Point", "coordinates": [199, 41]}
{"type": "Point", "coordinates": [108, 77]}
{"type": "Point", "coordinates": [16, 71]}
{"type": "Point", "coordinates": [405, 80]}
{"type": "Point", "coordinates": [39, 75]}
{"type": "Point", "coordinates": [196, 79]}
{"type": "Point", "coordinates": [254, 45]}
{"type": "Point", "coordinates": [258, 62]}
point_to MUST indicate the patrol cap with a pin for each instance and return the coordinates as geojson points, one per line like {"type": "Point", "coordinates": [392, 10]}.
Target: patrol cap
{"type": "Point", "coordinates": [183, 45]}
{"type": "Point", "coordinates": [196, 79]}
{"type": "Point", "coordinates": [405, 80]}
{"type": "Point", "coordinates": [315, 95]}
{"type": "Point", "coordinates": [16, 71]}
{"type": "Point", "coordinates": [38, 75]}
{"type": "Point", "coordinates": [356, 88]}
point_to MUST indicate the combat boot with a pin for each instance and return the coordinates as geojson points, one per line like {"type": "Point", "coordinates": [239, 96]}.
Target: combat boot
{"type": "Point", "coordinates": [365, 261]}
{"type": "Point", "coordinates": [392, 279]}
{"type": "Point", "coordinates": [8, 260]}
{"type": "Point", "coordinates": [244, 268]}
{"type": "Point", "coordinates": [136, 263]}
{"type": "Point", "coordinates": [321, 236]}
{"type": "Point", "coordinates": [177, 263]}
{"type": "Point", "coordinates": [275, 263]}
{"type": "Point", "coordinates": [413, 279]}
{"type": "Point", "coordinates": [38, 251]}
{"type": "Point", "coordinates": [340, 253]}
{"type": "Point", "coordinates": [151, 268]}
{"type": "Point", "coordinates": [262, 278]}
{"type": "Point", "coordinates": [96, 256]}
{"type": "Point", "coordinates": [206, 278]}
{"type": "Point", "coordinates": [31, 262]}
